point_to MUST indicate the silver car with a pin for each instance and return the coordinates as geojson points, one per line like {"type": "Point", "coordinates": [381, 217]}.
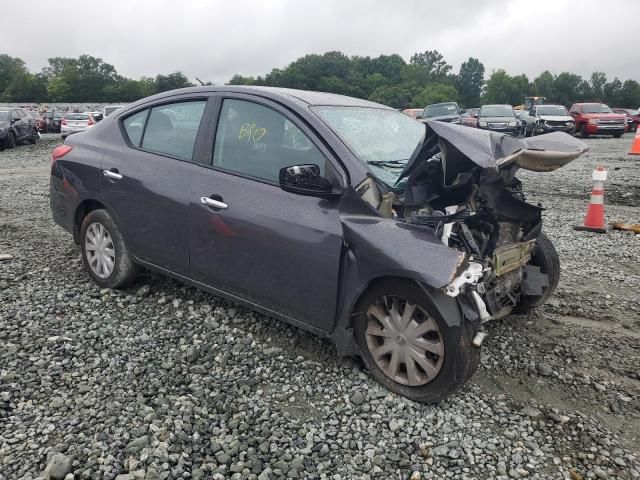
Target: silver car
{"type": "Point", "coordinates": [76, 122]}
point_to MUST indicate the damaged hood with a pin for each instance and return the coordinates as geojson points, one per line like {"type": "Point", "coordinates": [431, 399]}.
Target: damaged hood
{"type": "Point", "coordinates": [494, 150]}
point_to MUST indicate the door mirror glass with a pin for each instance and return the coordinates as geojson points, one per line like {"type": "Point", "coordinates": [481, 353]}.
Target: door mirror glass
{"type": "Point", "coordinates": [305, 180]}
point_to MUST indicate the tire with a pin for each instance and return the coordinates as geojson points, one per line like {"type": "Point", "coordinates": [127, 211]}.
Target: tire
{"type": "Point", "coordinates": [459, 358]}
{"type": "Point", "coordinates": [34, 136]}
{"type": "Point", "coordinates": [124, 270]}
{"type": "Point", "coordinates": [583, 131]}
{"type": "Point", "coordinates": [546, 257]}
{"type": "Point", "coordinates": [11, 141]}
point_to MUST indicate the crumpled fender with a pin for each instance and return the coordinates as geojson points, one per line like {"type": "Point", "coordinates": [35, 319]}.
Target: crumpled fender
{"type": "Point", "coordinates": [386, 247]}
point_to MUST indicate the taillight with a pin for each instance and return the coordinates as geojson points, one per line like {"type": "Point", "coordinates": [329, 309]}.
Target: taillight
{"type": "Point", "coordinates": [59, 152]}
{"type": "Point", "coordinates": [91, 121]}
{"type": "Point", "coordinates": [63, 122]}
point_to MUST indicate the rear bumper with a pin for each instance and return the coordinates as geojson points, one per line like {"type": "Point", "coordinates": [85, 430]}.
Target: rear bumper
{"type": "Point", "coordinates": [62, 206]}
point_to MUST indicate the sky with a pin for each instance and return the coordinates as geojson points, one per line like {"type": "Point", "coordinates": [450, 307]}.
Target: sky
{"type": "Point", "coordinates": [215, 39]}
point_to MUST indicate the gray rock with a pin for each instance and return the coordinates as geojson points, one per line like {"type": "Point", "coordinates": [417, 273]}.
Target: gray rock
{"type": "Point", "coordinates": [357, 398]}
{"type": "Point", "coordinates": [143, 291]}
{"type": "Point", "coordinates": [545, 370]}
{"type": "Point", "coordinates": [58, 467]}
{"type": "Point", "coordinates": [136, 445]}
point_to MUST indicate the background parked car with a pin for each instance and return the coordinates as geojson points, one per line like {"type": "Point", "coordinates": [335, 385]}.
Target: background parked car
{"type": "Point", "coordinates": [109, 109]}
{"type": "Point", "coordinates": [597, 119]}
{"type": "Point", "coordinates": [442, 112]}
{"type": "Point", "coordinates": [413, 112]}
{"type": "Point", "coordinates": [56, 119]}
{"type": "Point", "coordinates": [76, 122]}
{"type": "Point", "coordinates": [39, 120]}
{"type": "Point", "coordinates": [500, 118]}
{"type": "Point", "coordinates": [469, 117]}
{"type": "Point", "coordinates": [549, 118]}
{"type": "Point", "coordinates": [48, 121]}
{"type": "Point", "coordinates": [526, 121]}
{"type": "Point", "coordinates": [633, 117]}
{"type": "Point", "coordinates": [16, 126]}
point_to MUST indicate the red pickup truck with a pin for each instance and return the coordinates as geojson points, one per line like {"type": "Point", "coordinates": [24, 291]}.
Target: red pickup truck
{"type": "Point", "coordinates": [633, 117]}
{"type": "Point", "coordinates": [597, 119]}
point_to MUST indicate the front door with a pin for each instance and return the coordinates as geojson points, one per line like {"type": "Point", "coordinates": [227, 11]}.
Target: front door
{"type": "Point", "coordinates": [250, 238]}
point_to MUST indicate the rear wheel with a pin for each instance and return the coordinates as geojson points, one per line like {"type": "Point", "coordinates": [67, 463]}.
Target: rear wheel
{"type": "Point", "coordinates": [546, 257]}
{"type": "Point", "coordinates": [104, 253]}
{"type": "Point", "coordinates": [408, 345]}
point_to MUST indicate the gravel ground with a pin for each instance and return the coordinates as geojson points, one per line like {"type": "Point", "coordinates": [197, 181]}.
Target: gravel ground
{"type": "Point", "coordinates": [165, 381]}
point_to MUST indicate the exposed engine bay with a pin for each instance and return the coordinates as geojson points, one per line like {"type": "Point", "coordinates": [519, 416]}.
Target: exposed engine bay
{"type": "Point", "coordinates": [461, 183]}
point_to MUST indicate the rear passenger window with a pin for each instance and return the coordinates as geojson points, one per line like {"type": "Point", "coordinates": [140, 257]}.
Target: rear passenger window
{"type": "Point", "coordinates": [257, 141]}
{"type": "Point", "coordinates": [133, 125]}
{"type": "Point", "coordinates": [172, 129]}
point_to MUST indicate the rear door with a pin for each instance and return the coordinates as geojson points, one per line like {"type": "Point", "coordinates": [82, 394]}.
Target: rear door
{"type": "Point", "coordinates": [146, 179]}
{"type": "Point", "coordinates": [276, 249]}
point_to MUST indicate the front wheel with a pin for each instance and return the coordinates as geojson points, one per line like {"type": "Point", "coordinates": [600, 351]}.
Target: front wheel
{"type": "Point", "coordinates": [11, 140]}
{"type": "Point", "coordinates": [583, 132]}
{"type": "Point", "coordinates": [104, 253]}
{"type": "Point", "coordinates": [415, 342]}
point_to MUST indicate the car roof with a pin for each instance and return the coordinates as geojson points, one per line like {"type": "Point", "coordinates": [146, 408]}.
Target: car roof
{"type": "Point", "coordinates": [282, 95]}
{"type": "Point", "coordinates": [549, 105]}
{"type": "Point", "coordinates": [441, 103]}
{"type": "Point", "coordinates": [498, 105]}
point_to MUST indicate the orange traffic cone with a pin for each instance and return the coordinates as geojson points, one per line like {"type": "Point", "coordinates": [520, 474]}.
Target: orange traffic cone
{"type": "Point", "coordinates": [594, 219]}
{"type": "Point", "coordinates": [635, 146]}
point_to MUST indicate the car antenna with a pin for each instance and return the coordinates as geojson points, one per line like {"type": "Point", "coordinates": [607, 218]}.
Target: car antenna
{"type": "Point", "coordinates": [201, 82]}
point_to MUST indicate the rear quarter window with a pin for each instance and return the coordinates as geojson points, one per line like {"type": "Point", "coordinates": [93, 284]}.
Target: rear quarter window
{"type": "Point", "coordinates": [134, 125]}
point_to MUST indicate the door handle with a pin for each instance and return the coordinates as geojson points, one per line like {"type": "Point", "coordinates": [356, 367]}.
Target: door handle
{"type": "Point", "coordinates": [112, 175]}
{"type": "Point", "coordinates": [210, 202]}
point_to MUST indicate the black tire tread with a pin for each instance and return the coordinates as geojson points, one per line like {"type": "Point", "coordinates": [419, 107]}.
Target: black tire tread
{"type": "Point", "coordinates": [546, 257]}
{"type": "Point", "coordinates": [125, 270]}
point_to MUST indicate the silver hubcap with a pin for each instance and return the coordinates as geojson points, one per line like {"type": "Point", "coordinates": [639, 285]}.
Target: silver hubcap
{"type": "Point", "coordinates": [404, 341]}
{"type": "Point", "coordinates": [101, 254]}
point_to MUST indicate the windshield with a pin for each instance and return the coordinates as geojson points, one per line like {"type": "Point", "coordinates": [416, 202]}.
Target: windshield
{"type": "Point", "coordinates": [437, 110]}
{"type": "Point", "coordinates": [497, 111]}
{"type": "Point", "coordinates": [555, 110]}
{"type": "Point", "coordinates": [382, 139]}
{"type": "Point", "coordinates": [58, 115]}
{"type": "Point", "coordinates": [4, 116]}
{"type": "Point", "coordinates": [595, 108]}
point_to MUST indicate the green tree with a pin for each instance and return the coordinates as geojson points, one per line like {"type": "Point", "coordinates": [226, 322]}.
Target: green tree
{"type": "Point", "coordinates": [11, 69]}
{"type": "Point", "coordinates": [163, 83]}
{"type": "Point", "coordinates": [503, 88]}
{"type": "Point", "coordinates": [597, 82]}
{"type": "Point", "coordinates": [630, 94]}
{"type": "Point", "coordinates": [436, 93]}
{"type": "Point", "coordinates": [436, 67]}
{"type": "Point", "coordinates": [469, 82]}
{"type": "Point", "coordinates": [612, 92]}
{"type": "Point", "coordinates": [568, 88]}
{"type": "Point", "coordinates": [542, 86]}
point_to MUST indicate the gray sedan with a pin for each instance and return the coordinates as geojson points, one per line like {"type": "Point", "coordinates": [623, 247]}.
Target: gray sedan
{"type": "Point", "coordinates": [394, 239]}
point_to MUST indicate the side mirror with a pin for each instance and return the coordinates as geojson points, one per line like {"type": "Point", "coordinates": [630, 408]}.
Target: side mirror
{"type": "Point", "coordinates": [418, 116]}
{"type": "Point", "coordinates": [305, 180]}
{"type": "Point", "coordinates": [475, 115]}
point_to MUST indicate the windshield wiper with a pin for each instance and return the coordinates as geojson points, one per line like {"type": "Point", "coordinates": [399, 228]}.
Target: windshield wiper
{"type": "Point", "coordinates": [388, 163]}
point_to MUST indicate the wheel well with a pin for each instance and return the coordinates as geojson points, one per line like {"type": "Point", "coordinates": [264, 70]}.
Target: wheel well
{"type": "Point", "coordinates": [373, 283]}
{"type": "Point", "coordinates": [86, 207]}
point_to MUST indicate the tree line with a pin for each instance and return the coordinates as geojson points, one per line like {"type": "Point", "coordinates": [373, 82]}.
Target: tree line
{"type": "Point", "coordinates": [81, 79]}
{"type": "Point", "coordinates": [389, 79]}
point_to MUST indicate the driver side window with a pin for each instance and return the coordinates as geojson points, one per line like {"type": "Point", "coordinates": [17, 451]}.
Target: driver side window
{"type": "Point", "coordinates": [257, 141]}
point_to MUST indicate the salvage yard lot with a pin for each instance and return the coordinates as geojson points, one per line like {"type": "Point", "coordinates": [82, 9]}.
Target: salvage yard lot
{"type": "Point", "coordinates": [170, 382]}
